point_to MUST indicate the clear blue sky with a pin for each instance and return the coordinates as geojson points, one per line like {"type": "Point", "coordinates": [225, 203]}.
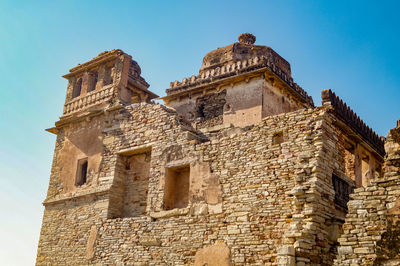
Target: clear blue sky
{"type": "Point", "coordinates": [351, 47]}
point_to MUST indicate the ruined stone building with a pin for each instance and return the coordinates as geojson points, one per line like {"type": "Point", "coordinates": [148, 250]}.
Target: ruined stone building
{"type": "Point", "coordinates": [238, 167]}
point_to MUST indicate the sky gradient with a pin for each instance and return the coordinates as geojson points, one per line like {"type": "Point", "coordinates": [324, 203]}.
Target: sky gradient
{"type": "Point", "coordinates": [348, 46]}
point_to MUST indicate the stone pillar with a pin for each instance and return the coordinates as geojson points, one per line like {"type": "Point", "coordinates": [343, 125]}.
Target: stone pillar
{"type": "Point", "coordinates": [358, 166]}
{"type": "Point", "coordinates": [372, 167]}
{"type": "Point", "coordinates": [85, 83]}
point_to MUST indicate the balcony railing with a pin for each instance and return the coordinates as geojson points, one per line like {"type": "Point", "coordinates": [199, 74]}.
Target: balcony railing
{"type": "Point", "coordinates": [87, 100]}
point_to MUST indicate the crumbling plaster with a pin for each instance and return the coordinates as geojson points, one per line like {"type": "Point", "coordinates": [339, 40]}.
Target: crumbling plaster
{"type": "Point", "coordinates": [80, 140]}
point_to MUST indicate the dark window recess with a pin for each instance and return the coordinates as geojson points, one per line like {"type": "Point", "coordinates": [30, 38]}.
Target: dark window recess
{"type": "Point", "coordinates": [94, 82]}
{"type": "Point", "coordinates": [77, 88]}
{"type": "Point", "coordinates": [342, 191]}
{"type": "Point", "coordinates": [200, 112]}
{"type": "Point", "coordinates": [82, 173]}
{"type": "Point", "coordinates": [108, 79]}
{"type": "Point", "coordinates": [176, 190]}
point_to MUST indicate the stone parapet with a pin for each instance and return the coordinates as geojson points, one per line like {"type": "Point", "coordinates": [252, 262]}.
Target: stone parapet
{"type": "Point", "coordinates": [353, 120]}
{"type": "Point", "coordinates": [235, 69]}
{"type": "Point", "coordinates": [90, 99]}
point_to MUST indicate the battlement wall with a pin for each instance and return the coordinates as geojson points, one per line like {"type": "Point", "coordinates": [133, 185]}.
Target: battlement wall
{"type": "Point", "coordinates": [353, 120]}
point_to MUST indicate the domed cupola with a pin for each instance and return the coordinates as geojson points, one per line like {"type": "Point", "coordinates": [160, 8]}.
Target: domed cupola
{"type": "Point", "coordinates": [238, 84]}
{"type": "Point", "coordinates": [245, 49]}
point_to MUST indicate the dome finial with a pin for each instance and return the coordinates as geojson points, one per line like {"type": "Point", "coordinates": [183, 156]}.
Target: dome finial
{"type": "Point", "coordinates": [247, 38]}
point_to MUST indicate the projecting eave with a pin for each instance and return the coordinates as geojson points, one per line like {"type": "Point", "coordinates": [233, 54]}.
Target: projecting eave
{"type": "Point", "coordinates": [100, 59]}
{"type": "Point", "coordinates": [141, 85]}
{"type": "Point", "coordinates": [53, 130]}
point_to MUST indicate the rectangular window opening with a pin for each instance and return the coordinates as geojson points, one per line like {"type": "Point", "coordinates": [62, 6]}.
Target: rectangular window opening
{"type": "Point", "coordinates": [93, 82]}
{"type": "Point", "coordinates": [77, 88]}
{"type": "Point", "coordinates": [342, 191]}
{"type": "Point", "coordinates": [129, 195]}
{"type": "Point", "coordinates": [136, 184]}
{"type": "Point", "coordinates": [176, 190]}
{"type": "Point", "coordinates": [108, 78]}
{"type": "Point", "coordinates": [82, 169]}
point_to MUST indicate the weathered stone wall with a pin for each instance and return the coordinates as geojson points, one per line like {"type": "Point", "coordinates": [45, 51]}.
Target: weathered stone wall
{"type": "Point", "coordinates": [71, 214]}
{"type": "Point", "coordinates": [244, 108]}
{"type": "Point", "coordinates": [238, 101]}
{"type": "Point", "coordinates": [269, 203]}
{"type": "Point", "coordinates": [210, 108]}
{"type": "Point", "coordinates": [266, 202]}
{"type": "Point", "coordinates": [259, 199]}
{"type": "Point", "coordinates": [252, 174]}
{"type": "Point", "coordinates": [371, 231]}
{"type": "Point", "coordinates": [71, 210]}
{"type": "Point", "coordinates": [76, 141]}
{"type": "Point", "coordinates": [276, 99]}
{"type": "Point", "coordinates": [66, 228]}
{"type": "Point", "coordinates": [136, 185]}
{"type": "Point", "coordinates": [237, 173]}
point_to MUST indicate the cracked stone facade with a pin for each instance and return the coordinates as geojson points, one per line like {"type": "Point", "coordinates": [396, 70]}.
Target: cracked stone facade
{"type": "Point", "coordinates": [238, 167]}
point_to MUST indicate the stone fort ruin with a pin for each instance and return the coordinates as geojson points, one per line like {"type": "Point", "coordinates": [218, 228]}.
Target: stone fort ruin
{"type": "Point", "coordinates": [238, 167]}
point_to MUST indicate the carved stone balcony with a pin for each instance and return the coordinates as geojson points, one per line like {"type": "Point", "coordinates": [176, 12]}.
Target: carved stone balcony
{"type": "Point", "coordinates": [88, 100]}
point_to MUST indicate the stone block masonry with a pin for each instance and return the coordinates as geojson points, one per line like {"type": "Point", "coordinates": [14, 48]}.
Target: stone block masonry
{"type": "Point", "coordinates": [245, 191]}
{"type": "Point", "coordinates": [250, 171]}
{"type": "Point", "coordinates": [371, 233]}
{"type": "Point", "coordinates": [240, 168]}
